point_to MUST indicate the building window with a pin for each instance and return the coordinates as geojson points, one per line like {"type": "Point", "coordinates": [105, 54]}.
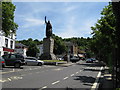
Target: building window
{"type": "Point", "coordinates": [6, 42]}
{"type": "Point", "coordinates": [11, 35]}
{"type": "Point", "coordinates": [11, 45]}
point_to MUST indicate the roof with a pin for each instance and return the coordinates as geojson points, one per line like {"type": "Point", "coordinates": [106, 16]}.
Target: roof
{"type": "Point", "coordinates": [20, 45]}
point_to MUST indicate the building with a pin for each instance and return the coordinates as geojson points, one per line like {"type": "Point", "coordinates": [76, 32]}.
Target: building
{"type": "Point", "coordinates": [21, 49]}
{"type": "Point", "coordinates": [72, 48]}
{"type": "Point", "coordinates": [7, 44]}
{"type": "Point", "coordinates": [40, 47]}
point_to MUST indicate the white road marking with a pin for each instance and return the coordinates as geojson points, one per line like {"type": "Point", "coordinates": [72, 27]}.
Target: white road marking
{"type": "Point", "coordinates": [96, 81]}
{"type": "Point", "coordinates": [72, 74]}
{"type": "Point", "coordinates": [16, 77]}
{"type": "Point", "coordinates": [58, 69]}
{"type": "Point", "coordinates": [30, 69]}
{"type": "Point", "coordinates": [6, 72]}
{"type": "Point", "coordinates": [76, 72]}
{"type": "Point", "coordinates": [55, 82]}
{"type": "Point", "coordinates": [23, 75]}
{"type": "Point", "coordinates": [44, 87]}
{"type": "Point", "coordinates": [65, 78]}
{"type": "Point", "coordinates": [3, 80]}
{"type": "Point", "coordinates": [9, 79]}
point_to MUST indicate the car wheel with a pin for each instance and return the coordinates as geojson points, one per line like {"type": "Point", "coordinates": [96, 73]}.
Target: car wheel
{"type": "Point", "coordinates": [39, 64]}
{"type": "Point", "coordinates": [3, 66]}
{"type": "Point", "coordinates": [17, 65]}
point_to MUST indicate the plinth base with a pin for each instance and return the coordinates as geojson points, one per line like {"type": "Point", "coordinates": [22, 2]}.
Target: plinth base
{"type": "Point", "coordinates": [48, 56]}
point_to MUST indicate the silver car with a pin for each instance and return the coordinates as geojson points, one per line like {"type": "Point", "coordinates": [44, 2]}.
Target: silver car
{"type": "Point", "coordinates": [33, 61]}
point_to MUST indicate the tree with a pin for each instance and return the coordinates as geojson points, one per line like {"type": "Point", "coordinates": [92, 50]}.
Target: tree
{"type": "Point", "coordinates": [32, 50]}
{"type": "Point", "coordinates": [103, 40]}
{"type": "Point", "coordinates": [59, 45]}
{"type": "Point", "coordinates": [8, 24]}
{"type": "Point", "coordinates": [32, 44]}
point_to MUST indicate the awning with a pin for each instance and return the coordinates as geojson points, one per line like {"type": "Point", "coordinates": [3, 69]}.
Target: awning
{"type": "Point", "coordinates": [8, 49]}
{"type": "Point", "coordinates": [80, 55]}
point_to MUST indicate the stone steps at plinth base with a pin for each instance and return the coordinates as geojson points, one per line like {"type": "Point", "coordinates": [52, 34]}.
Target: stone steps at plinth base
{"type": "Point", "coordinates": [47, 56]}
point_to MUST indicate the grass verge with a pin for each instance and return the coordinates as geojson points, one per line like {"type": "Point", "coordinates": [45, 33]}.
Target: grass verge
{"type": "Point", "coordinates": [53, 60]}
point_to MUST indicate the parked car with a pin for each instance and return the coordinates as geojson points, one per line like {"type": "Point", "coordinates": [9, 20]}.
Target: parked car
{"type": "Point", "coordinates": [16, 60]}
{"type": "Point", "coordinates": [74, 58]}
{"type": "Point", "coordinates": [93, 59]}
{"type": "Point", "coordinates": [33, 61]}
{"type": "Point", "coordinates": [2, 62]}
{"type": "Point", "coordinates": [82, 58]}
{"type": "Point", "coordinates": [60, 58]}
{"type": "Point", "coordinates": [89, 60]}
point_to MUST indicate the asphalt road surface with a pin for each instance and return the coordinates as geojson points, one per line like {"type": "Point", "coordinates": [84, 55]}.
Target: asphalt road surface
{"type": "Point", "coordinates": [74, 77]}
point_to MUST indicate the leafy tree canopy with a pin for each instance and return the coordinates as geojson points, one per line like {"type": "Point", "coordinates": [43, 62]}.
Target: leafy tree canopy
{"type": "Point", "coordinates": [8, 24]}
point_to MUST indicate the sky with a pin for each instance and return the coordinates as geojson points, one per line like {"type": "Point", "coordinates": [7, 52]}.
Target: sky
{"type": "Point", "coordinates": [68, 19]}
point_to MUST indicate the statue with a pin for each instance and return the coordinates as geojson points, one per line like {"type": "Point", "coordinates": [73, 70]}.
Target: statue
{"type": "Point", "coordinates": [48, 28]}
{"type": "Point", "coordinates": [48, 44]}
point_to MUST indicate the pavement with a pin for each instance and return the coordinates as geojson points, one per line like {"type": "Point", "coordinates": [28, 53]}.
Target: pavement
{"type": "Point", "coordinates": [106, 80]}
{"type": "Point", "coordinates": [65, 64]}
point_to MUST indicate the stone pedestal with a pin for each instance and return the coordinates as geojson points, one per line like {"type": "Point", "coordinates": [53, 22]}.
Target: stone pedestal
{"type": "Point", "coordinates": [48, 46]}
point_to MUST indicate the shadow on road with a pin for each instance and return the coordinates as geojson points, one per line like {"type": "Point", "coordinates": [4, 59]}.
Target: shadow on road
{"type": "Point", "coordinates": [14, 67]}
{"type": "Point", "coordinates": [90, 64]}
{"type": "Point", "coordinates": [93, 70]}
{"type": "Point", "coordinates": [85, 79]}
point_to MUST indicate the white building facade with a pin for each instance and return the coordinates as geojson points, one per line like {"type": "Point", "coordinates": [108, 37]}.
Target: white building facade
{"type": "Point", "coordinates": [7, 44]}
{"type": "Point", "coordinates": [40, 47]}
{"type": "Point", "coordinates": [21, 49]}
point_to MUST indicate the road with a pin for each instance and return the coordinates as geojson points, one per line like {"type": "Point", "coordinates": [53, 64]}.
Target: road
{"type": "Point", "coordinates": [76, 76]}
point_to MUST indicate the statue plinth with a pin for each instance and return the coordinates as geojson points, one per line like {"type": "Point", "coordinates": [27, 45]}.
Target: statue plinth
{"type": "Point", "coordinates": [48, 46]}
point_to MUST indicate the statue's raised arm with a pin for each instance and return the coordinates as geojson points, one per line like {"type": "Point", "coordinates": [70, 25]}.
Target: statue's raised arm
{"type": "Point", "coordinates": [45, 20]}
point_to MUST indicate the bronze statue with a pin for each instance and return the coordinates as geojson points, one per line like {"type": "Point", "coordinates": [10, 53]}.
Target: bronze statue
{"type": "Point", "coordinates": [48, 28]}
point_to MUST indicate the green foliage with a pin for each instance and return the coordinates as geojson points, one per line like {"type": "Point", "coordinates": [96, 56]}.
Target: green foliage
{"type": "Point", "coordinates": [32, 46]}
{"type": "Point", "coordinates": [103, 40]}
{"type": "Point", "coordinates": [8, 23]}
{"type": "Point", "coordinates": [83, 44]}
{"type": "Point", "coordinates": [59, 45]}
{"type": "Point", "coordinates": [32, 50]}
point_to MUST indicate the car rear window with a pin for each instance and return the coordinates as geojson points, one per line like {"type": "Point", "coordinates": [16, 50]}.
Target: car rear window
{"type": "Point", "coordinates": [5, 56]}
{"type": "Point", "coordinates": [19, 56]}
{"type": "Point", "coordinates": [12, 56]}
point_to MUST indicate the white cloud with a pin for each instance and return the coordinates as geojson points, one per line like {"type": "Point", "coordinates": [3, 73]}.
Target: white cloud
{"type": "Point", "coordinates": [71, 8]}
{"type": "Point", "coordinates": [68, 19]}
{"type": "Point", "coordinates": [30, 22]}
{"type": "Point", "coordinates": [83, 30]}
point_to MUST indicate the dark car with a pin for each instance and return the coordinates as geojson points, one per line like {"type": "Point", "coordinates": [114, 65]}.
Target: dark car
{"type": "Point", "coordinates": [93, 59]}
{"type": "Point", "coordinates": [15, 60]}
{"type": "Point", "coordinates": [2, 62]}
{"type": "Point", "coordinates": [89, 60]}
{"type": "Point", "coordinates": [74, 58]}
